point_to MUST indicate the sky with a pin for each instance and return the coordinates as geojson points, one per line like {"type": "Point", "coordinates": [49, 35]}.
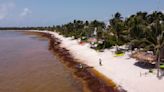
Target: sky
{"type": "Point", "coordinates": [23, 13]}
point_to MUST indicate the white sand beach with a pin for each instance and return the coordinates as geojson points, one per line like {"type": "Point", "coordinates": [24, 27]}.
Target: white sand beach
{"type": "Point", "coordinates": [119, 69]}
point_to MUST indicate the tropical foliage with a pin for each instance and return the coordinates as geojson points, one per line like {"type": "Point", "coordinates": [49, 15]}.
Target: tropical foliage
{"type": "Point", "coordinates": [141, 30]}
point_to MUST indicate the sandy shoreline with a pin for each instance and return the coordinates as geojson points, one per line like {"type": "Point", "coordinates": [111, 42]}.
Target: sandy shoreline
{"type": "Point", "coordinates": [120, 69]}
{"type": "Point", "coordinates": [92, 80]}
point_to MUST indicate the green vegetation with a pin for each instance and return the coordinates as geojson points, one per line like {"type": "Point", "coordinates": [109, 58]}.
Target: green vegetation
{"type": "Point", "coordinates": [141, 30]}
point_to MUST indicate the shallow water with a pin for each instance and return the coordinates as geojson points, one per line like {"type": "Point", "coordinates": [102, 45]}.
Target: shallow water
{"type": "Point", "coordinates": [26, 65]}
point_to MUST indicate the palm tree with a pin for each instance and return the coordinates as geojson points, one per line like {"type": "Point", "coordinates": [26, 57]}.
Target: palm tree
{"type": "Point", "coordinates": [155, 42]}
{"type": "Point", "coordinates": [117, 26]}
{"type": "Point", "coordinates": [156, 37]}
{"type": "Point", "coordinates": [137, 26]}
{"type": "Point", "coordinates": [97, 23]}
{"type": "Point", "coordinates": [153, 38]}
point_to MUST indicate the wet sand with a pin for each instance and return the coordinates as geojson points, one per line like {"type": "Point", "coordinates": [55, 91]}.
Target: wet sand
{"type": "Point", "coordinates": [26, 65]}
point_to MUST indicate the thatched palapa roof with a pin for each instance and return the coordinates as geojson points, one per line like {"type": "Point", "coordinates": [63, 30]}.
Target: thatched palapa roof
{"type": "Point", "coordinates": [144, 57]}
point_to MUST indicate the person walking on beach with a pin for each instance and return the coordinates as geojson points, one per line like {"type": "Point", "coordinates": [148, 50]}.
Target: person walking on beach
{"type": "Point", "coordinates": [100, 62]}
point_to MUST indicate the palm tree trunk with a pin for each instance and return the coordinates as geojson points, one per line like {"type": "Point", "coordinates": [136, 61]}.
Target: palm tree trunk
{"type": "Point", "coordinates": [117, 43]}
{"type": "Point", "coordinates": [158, 63]}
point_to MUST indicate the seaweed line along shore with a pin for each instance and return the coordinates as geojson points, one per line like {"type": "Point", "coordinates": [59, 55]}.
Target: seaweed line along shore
{"type": "Point", "coordinates": [121, 70]}
{"type": "Point", "coordinates": [92, 80]}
